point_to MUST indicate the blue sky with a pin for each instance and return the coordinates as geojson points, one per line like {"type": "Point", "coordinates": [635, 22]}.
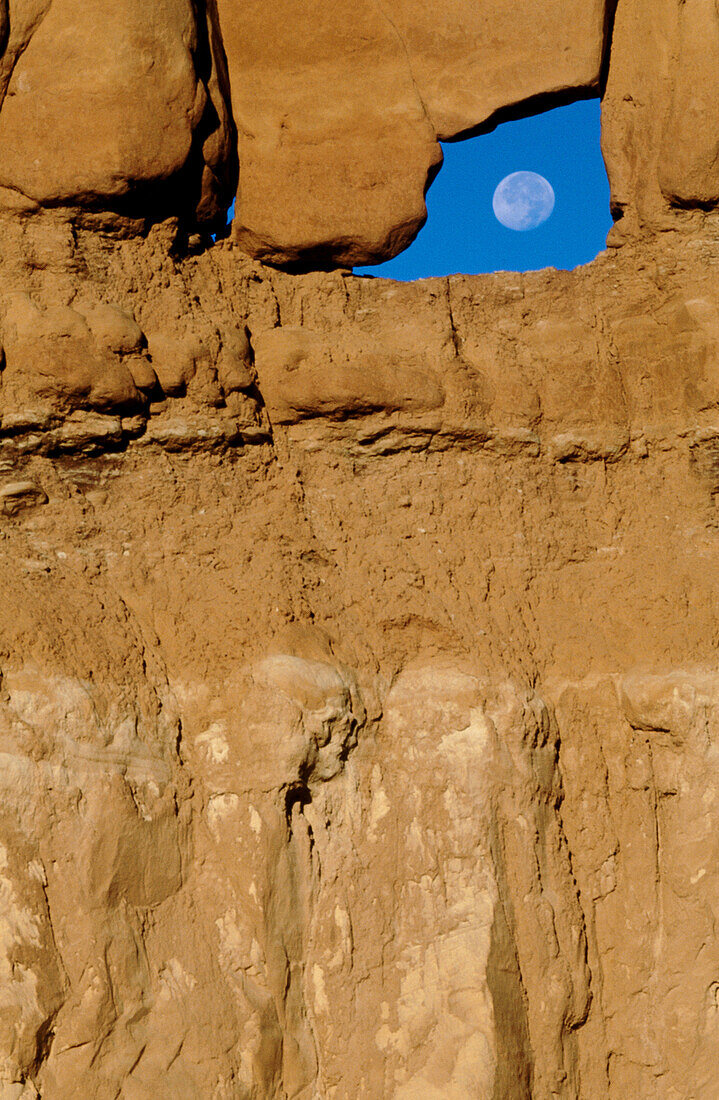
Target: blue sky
{"type": "Point", "coordinates": [462, 233]}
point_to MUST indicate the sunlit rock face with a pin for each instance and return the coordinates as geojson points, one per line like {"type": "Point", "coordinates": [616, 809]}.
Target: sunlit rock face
{"type": "Point", "coordinates": [689, 171]}
{"type": "Point", "coordinates": [658, 91]}
{"type": "Point", "coordinates": [358, 686]}
{"type": "Point", "coordinates": [335, 114]}
{"type": "Point", "coordinates": [358, 678]}
{"type": "Point", "coordinates": [113, 108]}
{"type": "Point", "coordinates": [339, 111]}
{"type": "Point", "coordinates": [123, 115]}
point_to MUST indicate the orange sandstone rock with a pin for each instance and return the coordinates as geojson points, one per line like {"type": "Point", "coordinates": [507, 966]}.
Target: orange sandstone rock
{"type": "Point", "coordinates": [113, 107]}
{"type": "Point", "coordinates": [358, 676]}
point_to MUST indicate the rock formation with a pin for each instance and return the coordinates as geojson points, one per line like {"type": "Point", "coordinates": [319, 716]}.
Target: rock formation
{"type": "Point", "coordinates": [359, 701]}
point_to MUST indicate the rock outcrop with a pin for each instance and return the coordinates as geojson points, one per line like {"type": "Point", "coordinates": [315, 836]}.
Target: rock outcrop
{"type": "Point", "coordinates": [114, 109]}
{"type": "Point", "coordinates": [340, 107]}
{"type": "Point", "coordinates": [359, 697]}
{"type": "Point", "coordinates": [358, 676]}
{"type": "Point", "coordinates": [331, 115]}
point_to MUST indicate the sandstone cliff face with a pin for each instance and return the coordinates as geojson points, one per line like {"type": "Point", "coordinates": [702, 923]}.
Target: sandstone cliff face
{"type": "Point", "coordinates": [358, 680]}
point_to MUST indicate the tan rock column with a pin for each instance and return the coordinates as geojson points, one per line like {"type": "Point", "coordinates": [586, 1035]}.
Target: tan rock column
{"type": "Point", "coordinates": [660, 117]}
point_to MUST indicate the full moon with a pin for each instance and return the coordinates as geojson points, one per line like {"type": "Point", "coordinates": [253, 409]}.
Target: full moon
{"type": "Point", "coordinates": [523, 201]}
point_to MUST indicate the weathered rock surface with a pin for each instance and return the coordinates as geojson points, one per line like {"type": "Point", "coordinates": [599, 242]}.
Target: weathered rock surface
{"type": "Point", "coordinates": [335, 146]}
{"type": "Point", "coordinates": [113, 107]}
{"type": "Point", "coordinates": [689, 170]}
{"type": "Point", "coordinates": [359, 687]}
{"type": "Point", "coordinates": [359, 698]}
{"type": "Point", "coordinates": [332, 113]}
{"type": "Point", "coordinates": [660, 124]}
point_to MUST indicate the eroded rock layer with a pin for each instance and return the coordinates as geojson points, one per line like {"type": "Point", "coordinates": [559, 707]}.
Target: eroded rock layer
{"type": "Point", "coordinates": [358, 697]}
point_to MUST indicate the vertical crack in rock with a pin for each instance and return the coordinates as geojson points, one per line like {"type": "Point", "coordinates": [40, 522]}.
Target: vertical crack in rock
{"type": "Point", "coordinates": [213, 165]}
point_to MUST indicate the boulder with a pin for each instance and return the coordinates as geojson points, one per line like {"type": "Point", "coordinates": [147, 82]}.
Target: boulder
{"type": "Point", "coordinates": [105, 108]}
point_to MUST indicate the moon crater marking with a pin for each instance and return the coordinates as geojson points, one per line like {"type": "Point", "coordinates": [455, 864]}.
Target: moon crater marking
{"type": "Point", "coordinates": [523, 200]}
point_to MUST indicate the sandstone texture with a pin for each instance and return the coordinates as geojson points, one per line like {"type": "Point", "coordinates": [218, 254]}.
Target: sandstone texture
{"type": "Point", "coordinates": [339, 108]}
{"type": "Point", "coordinates": [359, 695]}
{"type": "Point", "coordinates": [359, 686]}
{"type": "Point", "coordinates": [324, 119]}
{"type": "Point", "coordinates": [112, 108]}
